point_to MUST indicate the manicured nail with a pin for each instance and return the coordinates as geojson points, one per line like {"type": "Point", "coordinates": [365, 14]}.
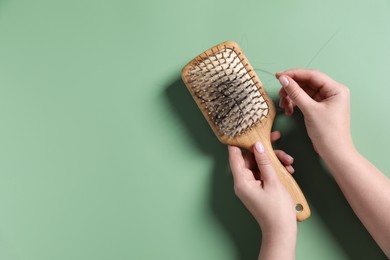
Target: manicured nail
{"type": "Point", "coordinates": [290, 158]}
{"type": "Point", "coordinates": [290, 169]}
{"type": "Point", "coordinates": [259, 147]}
{"type": "Point", "coordinates": [284, 81]}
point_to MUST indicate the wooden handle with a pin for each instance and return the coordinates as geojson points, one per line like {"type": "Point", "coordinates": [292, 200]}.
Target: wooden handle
{"type": "Point", "coordinates": [301, 206]}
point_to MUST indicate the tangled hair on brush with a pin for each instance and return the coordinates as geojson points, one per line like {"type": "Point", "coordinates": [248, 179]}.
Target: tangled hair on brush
{"type": "Point", "coordinates": [233, 99]}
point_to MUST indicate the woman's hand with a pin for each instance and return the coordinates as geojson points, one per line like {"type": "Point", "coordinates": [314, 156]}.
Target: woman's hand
{"type": "Point", "coordinates": [260, 190]}
{"type": "Point", "coordinates": [324, 103]}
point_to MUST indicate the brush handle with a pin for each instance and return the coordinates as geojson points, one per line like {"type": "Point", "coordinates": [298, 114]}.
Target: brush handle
{"type": "Point", "coordinates": [301, 206]}
{"type": "Point", "coordinates": [262, 133]}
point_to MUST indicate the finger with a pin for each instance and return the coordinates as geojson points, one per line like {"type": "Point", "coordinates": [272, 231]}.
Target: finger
{"type": "Point", "coordinates": [236, 160]}
{"type": "Point", "coordinates": [290, 169]}
{"type": "Point", "coordinates": [285, 102]}
{"type": "Point", "coordinates": [275, 135]}
{"type": "Point", "coordinates": [289, 107]}
{"type": "Point", "coordinates": [282, 102]}
{"type": "Point", "coordinates": [282, 93]}
{"type": "Point", "coordinates": [250, 162]}
{"type": "Point", "coordinates": [313, 77]}
{"type": "Point", "coordinates": [284, 158]}
{"type": "Point", "coordinates": [267, 171]}
{"type": "Point", "coordinates": [237, 165]}
{"type": "Point", "coordinates": [296, 93]}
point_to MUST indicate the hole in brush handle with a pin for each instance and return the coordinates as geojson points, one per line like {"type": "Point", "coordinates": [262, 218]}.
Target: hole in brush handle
{"type": "Point", "coordinates": [299, 207]}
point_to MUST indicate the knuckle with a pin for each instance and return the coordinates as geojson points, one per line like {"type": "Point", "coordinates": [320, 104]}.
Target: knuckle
{"type": "Point", "coordinates": [273, 182]}
{"type": "Point", "coordinates": [294, 93]}
{"type": "Point", "coordinates": [263, 160]}
{"type": "Point", "coordinates": [315, 72]}
{"type": "Point", "coordinates": [239, 188]}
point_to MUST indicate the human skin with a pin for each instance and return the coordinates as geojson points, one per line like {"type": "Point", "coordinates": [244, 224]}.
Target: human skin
{"type": "Point", "coordinates": [258, 187]}
{"type": "Point", "coordinates": [325, 105]}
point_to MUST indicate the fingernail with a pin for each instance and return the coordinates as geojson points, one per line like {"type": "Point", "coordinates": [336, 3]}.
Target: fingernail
{"type": "Point", "coordinates": [259, 147]}
{"type": "Point", "coordinates": [290, 169]}
{"type": "Point", "coordinates": [284, 81]}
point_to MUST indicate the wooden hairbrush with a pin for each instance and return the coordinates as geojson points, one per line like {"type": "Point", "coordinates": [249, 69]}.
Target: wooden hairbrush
{"type": "Point", "coordinates": [237, 107]}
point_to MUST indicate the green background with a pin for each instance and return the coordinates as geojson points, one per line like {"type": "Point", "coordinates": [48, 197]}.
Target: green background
{"type": "Point", "coordinates": [103, 154]}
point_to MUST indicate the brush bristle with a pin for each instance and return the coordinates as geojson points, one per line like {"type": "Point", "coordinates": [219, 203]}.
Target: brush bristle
{"type": "Point", "coordinates": [233, 99]}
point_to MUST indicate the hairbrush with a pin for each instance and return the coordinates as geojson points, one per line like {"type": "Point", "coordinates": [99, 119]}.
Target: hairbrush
{"type": "Point", "coordinates": [235, 104]}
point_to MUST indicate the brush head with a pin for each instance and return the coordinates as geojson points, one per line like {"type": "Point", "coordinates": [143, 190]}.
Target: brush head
{"type": "Point", "coordinates": [229, 93]}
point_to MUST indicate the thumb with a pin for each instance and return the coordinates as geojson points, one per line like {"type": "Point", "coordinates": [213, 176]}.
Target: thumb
{"type": "Point", "coordinates": [296, 93]}
{"type": "Point", "coordinates": [267, 171]}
